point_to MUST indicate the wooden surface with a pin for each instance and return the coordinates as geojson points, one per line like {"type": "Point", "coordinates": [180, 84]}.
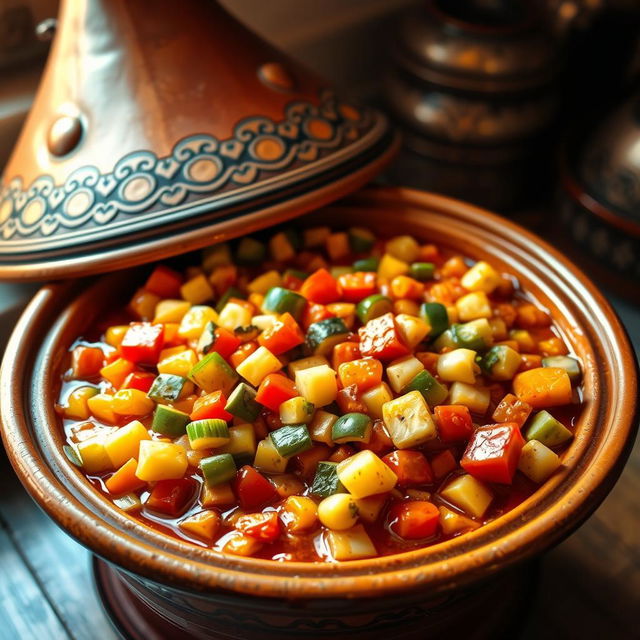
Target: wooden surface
{"type": "Point", "coordinates": [589, 586]}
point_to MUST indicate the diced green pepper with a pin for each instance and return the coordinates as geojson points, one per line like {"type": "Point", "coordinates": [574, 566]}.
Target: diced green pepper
{"type": "Point", "coordinates": [435, 314]}
{"type": "Point", "coordinates": [213, 373]}
{"type": "Point", "coordinates": [231, 292]}
{"type": "Point", "coordinates": [218, 469]}
{"type": "Point", "coordinates": [366, 264]}
{"type": "Point", "coordinates": [351, 427]}
{"type": "Point", "coordinates": [169, 421]}
{"type": "Point", "coordinates": [208, 433]}
{"type": "Point", "coordinates": [422, 270]}
{"type": "Point", "coordinates": [570, 365]}
{"type": "Point", "coordinates": [167, 387]}
{"type": "Point", "coordinates": [373, 306]}
{"type": "Point", "coordinates": [291, 440]}
{"type": "Point", "coordinates": [324, 335]}
{"type": "Point", "coordinates": [250, 251]}
{"type": "Point", "coordinates": [280, 300]}
{"type": "Point", "coordinates": [361, 240]}
{"type": "Point", "coordinates": [432, 391]}
{"type": "Point", "coordinates": [242, 403]}
{"type": "Point", "coordinates": [326, 481]}
{"type": "Point", "coordinates": [546, 429]}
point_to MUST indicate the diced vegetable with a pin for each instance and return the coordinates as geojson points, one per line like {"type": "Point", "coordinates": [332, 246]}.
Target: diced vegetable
{"type": "Point", "coordinates": [473, 306]}
{"type": "Point", "coordinates": [299, 513]}
{"type": "Point", "coordinates": [296, 411]}
{"type": "Point", "coordinates": [366, 264]}
{"type": "Point", "coordinates": [481, 277]}
{"type": "Point", "coordinates": [204, 524]}
{"type": "Point", "coordinates": [93, 455]}
{"type": "Point", "coordinates": [320, 287]}
{"type": "Point", "coordinates": [218, 469]}
{"type": "Point", "coordinates": [124, 480]}
{"type": "Point", "coordinates": [86, 362]}
{"type": "Point", "coordinates": [408, 420]}
{"type": "Point", "coordinates": [412, 330]}
{"type": "Point", "coordinates": [414, 519]}
{"type": "Point", "coordinates": [547, 430]}
{"type": "Point", "coordinates": [570, 365]}
{"type": "Point", "coordinates": [435, 315]}
{"type": "Point", "coordinates": [352, 427]}
{"type": "Point", "coordinates": [169, 421]}
{"type": "Point", "coordinates": [379, 338]}
{"type": "Point", "coordinates": [129, 503]}
{"type": "Point", "coordinates": [469, 494]}
{"type": "Point", "coordinates": [124, 443]}
{"type": "Point", "coordinates": [169, 388]}
{"type": "Point", "coordinates": [283, 335]}
{"type": "Point", "coordinates": [207, 434]}
{"type": "Point", "coordinates": [212, 373]}
{"type": "Point", "coordinates": [117, 371]}
{"type": "Point", "coordinates": [260, 526]}
{"type": "Point", "coordinates": [365, 474]}
{"type": "Point", "coordinates": [324, 335]}
{"type": "Point", "coordinates": [211, 406]}
{"type": "Point", "coordinates": [250, 251]}
{"type": "Point", "coordinates": [501, 362]}
{"type": "Point", "coordinates": [100, 407]}
{"type": "Point", "coordinates": [321, 426]}
{"type": "Point", "coordinates": [317, 385]}
{"type": "Point", "coordinates": [454, 422]}
{"type": "Point", "coordinates": [216, 496]}
{"type": "Point", "coordinates": [411, 467]}
{"type": "Point", "coordinates": [352, 544]}
{"type": "Point", "coordinates": [161, 461]}
{"type": "Point", "coordinates": [171, 497]}
{"type": "Point", "coordinates": [253, 489]}
{"type": "Point", "coordinates": [452, 522]}
{"type": "Point", "coordinates": [363, 372]}
{"type": "Point", "coordinates": [473, 397]}
{"type": "Point", "coordinates": [443, 463]}
{"type": "Point", "coordinates": [543, 387]}
{"type": "Point", "coordinates": [326, 481]}
{"type": "Point", "coordinates": [373, 306]}
{"type": "Point", "coordinates": [241, 445]}
{"type": "Point", "coordinates": [258, 366]}
{"type": "Point", "coordinates": [279, 300]}
{"type": "Point", "coordinates": [164, 282]}
{"type": "Point", "coordinates": [375, 398]}
{"type": "Point", "coordinates": [512, 409]}
{"type": "Point", "coordinates": [401, 372]}
{"type": "Point", "coordinates": [274, 390]}
{"type": "Point", "coordinates": [338, 511]}
{"type": "Point", "coordinates": [265, 282]}
{"type": "Point", "coordinates": [268, 458]}
{"type": "Point", "coordinates": [476, 335]}
{"type": "Point", "coordinates": [242, 403]}
{"type": "Point", "coordinates": [291, 440]}
{"type": "Point", "coordinates": [537, 461]}
{"type": "Point", "coordinates": [432, 391]}
{"type": "Point", "coordinates": [77, 407]}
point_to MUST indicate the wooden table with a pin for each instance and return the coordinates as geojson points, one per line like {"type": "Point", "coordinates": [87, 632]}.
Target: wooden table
{"type": "Point", "coordinates": [589, 586]}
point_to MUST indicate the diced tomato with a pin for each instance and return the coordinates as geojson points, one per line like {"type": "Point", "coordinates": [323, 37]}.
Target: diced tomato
{"type": "Point", "coordinates": [242, 353]}
{"type": "Point", "coordinates": [493, 452]}
{"type": "Point", "coordinates": [357, 286]}
{"type": "Point", "coordinates": [344, 352]}
{"type": "Point", "coordinates": [139, 380]}
{"type": "Point", "coordinates": [411, 467]}
{"type": "Point", "coordinates": [285, 334]}
{"type": "Point", "coordinates": [414, 519]}
{"type": "Point", "coordinates": [274, 390]}
{"type": "Point", "coordinates": [349, 402]}
{"type": "Point", "coordinates": [253, 489]}
{"type": "Point", "coordinates": [225, 342]}
{"type": "Point", "coordinates": [314, 313]}
{"type": "Point", "coordinates": [142, 342]}
{"type": "Point", "coordinates": [86, 362]}
{"type": "Point", "coordinates": [443, 463]}
{"type": "Point", "coordinates": [364, 373]}
{"type": "Point", "coordinates": [171, 497]}
{"type": "Point", "coordinates": [321, 287]}
{"type": "Point", "coordinates": [124, 479]}
{"type": "Point", "coordinates": [380, 442]}
{"type": "Point", "coordinates": [379, 338]}
{"type": "Point", "coordinates": [261, 526]}
{"type": "Point", "coordinates": [454, 422]}
{"type": "Point", "coordinates": [164, 282]}
{"type": "Point", "coordinates": [512, 409]}
{"type": "Point", "coordinates": [211, 406]}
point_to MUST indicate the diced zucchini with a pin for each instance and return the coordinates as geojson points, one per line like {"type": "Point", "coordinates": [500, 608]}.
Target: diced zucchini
{"type": "Point", "coordinates": [218, 469]}
{"type": "Point", "coordinates": [501, 362]}
{"type": "Point", "coordinates": [279, 300]}
{"type": "Point", "coordinates": [469, 494]}
{"type": "Point", "coordinates": [169, 421]}
{"type": "Point", "coordinates": [352, 427]}
{"type": "Point", "coordinates": [216, 496]}
{"type": "Point", "coordinates": [412, 329]}
{"type": "Point", "coordinates": [321, 426]}
{"type": "Point", "coordinates": [475, 335]}
{"type": "Point", "coordinates": [213, 373]}
{"type": "Point", "coordinates": [326, 481]}
{"type": "Point", "coordinates": [129, 503]}
{"type": "Point", "coordinates": [306, 363]}
{"type": "Point", "coordinates": [409, 421]}
{"type": "Point", "coordinates": [338, 512]}
{"type": "Point", "coordinates": [207, 338]}
{"type": "Point", "coordinates": [364, 474]}
{"type": "Point", "coordinates": [250, 251]}
{"type": "Point", "coordinates": [207, 434]}
{"type": "Point", "coordinates": [123, 444]}
{"type": "Point", "coordinates": [352, 544]}
{"type": "Point", "coordinates": [473, 306]}
{"type": "Point", "coordinates": [361, 239]}
{"type": "Point", "coordinates": [242, 403]}
{"type": "Point", "coordinates": [432, 391]}
{"type": "Point", "coordinates": [547, 430]}
{"type": "Point", "coordinates": [458, 365]}
{"type": "Point", "coordinates": [241, 445]}
{"type": "Point", "coordinates": [476, 399]}
{"type": "Point", "coordinates": [317, 385]}
{"type": "Point", "coordinates": [169, 388]}
{"type": "Point", "coordinates": [268, 459]}
{"type": "Point", "coordinates": [435, 315]}
{"type": "Point", "coordinates": [194, 321]}
{"type": "Point", "coordinates": [291, 440]}
{"type": "Point", "coordinates": [296, 411]}
{"type": "Point", "coordinates": [422, 271]}
{"type": "Point", "coordinates": [324, 335]}
{"type": "Point", "coordinates": [375, 398]}
{"type": "Point", "coordinates": [234, 315]}
{"type": "Point", "coordinates": [366, 264]}
{"type": "Point", "coordinates": [569, 364]}
{"type": "Point", "coordinates": [481, 277]}
{"type": "Point", "coordinates": [402, 371]}
{"type": "Point", "coordinates": [258, 366]}
{"type": "Point", "coordinates": [373, 306]}
{"type": "Point", "coordinates": [161, 461]}
{"type": "Point", "coordinates": [537, 461]}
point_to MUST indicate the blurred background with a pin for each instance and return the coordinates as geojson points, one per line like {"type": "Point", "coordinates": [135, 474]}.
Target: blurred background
{"type": "Point", "coordinates": [529, 108]}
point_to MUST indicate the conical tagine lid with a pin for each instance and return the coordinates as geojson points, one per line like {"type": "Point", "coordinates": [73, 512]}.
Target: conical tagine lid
{"type": "Point", "coordinates": [162, 127]}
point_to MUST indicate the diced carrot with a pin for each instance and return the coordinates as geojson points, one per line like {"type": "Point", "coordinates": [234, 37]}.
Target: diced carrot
{"type": "Point", "coordinates": [86, 362]}
{"type": "Point", "coordinates": [349, 402]}
{"type": "Point", "coordinates": [380, 338]}
{"type": "Point", "coordinates": [454, 422]}
{"type": "Point", "coordinates": [285, 334]}
{"type": "Point", "coordinates": [411, 467]}
{"type": "Point", "coordinates": [380, 442]}
{"type": "Point", "coordinates": [552, 347]}
{"type": "Point", "coordinates": [530, 361]}
{"type": "Point", "coordinates": [364, 373]}
{"type": "Point", "coordinates": [507, 312]}
{"type": "Point", "coordinates": [429, 360]}
{"type": "Point", "coordinates": [344, 352]}
{"type": "Point", "coordinates": [414, 519]}
{"type": "Point", "coordinates": [429, 253]}
{"type": "Point", "coordinates": [543, 387]}
{"type": "Point", "coordinates": [223, 277]}
{"type": "Point", "coordinates": [357, 286]}
{"type": "Point", "coordinates": [263, 526]}
{"type": "Point", "coordinates": [530, 317]}
{"type": "Point", "coordinates": [454, 267]}
{"type": "Point", "coordinates": [406, 287]}
{"type": "Point", "coordinates": [315, 313]}
{"type": "Point", "coordinates": [242, 353]}
{"type": "Point", "coordinates": [124, 479]}
{"type": "Point", "coordinates": [512, 409]}
{"type": "Point", "coordinates": [343, 452]}
{"type": "Point", "coordinates": [211, 406]}
{"type": "Point", "coordinates": [443, 463]}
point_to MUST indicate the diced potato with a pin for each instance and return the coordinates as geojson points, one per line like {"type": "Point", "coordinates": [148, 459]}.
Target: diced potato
{"type": "Point", "coordinates": [321, 425]}
{"type": "Point", "coordinates": [352, 544]}
{"type": "Point", "coordinates": [473, 397]}
{"type": "Point", "coordinates": [481, 277]}
{"type": "Point", "coordinates": [197, 290]}
{"type": "Point", "coordinates": [132, 402]}
{"type": "Point", "coordinates": [412, 329]}
{"type": "Point", "coordinates": [408, 420]}
{"type": "Point", "coordinates": [264, 282]}
{"type": "Point", "coordinates": [94, 455]}
{"type": "Point", "coordinates": [129, 503]}
{"type": "Point", "coordinates": [299, 513]}
{"type": "Point", "coordinates": [195, 320]}
{"type": "Point", "coordinates": [77, 407]}
{"type": "Point", "coordinates": [123, 444]}
{"type": "Point", "coordinates": [375, 398]}
{"type": "Point", "coordinates": [170, 311]}
{"type": "Point", "coordinates": [204, 524]}
{"type": "Point", "coordinates": [338, 511]}
{"type": "Point", "coordinates": [458, 365]}
{"type": "Point", "coordinates": [100, 407]}
{"type": "Point", "coordinates": [296, 411]}
{"type": "Point", "coordinates": [524, 339]}
{"type": "Point", "coordinates": [369, 508]}
{"type": "Point", "coordinates": [234, 315]}
{"type": "Point", "coordinates": [404, 248]}
{"type": "Point", "coordinates": [179, 364]}
{"type": "Point", "coordinates": [268, 459]}
{"type": "Point", "coordinates": [469, 494]}
{"type": "Point", "coordinates": [161, 461]}
{"type": "Point", "coordinates": [216, 496]}
{"type": "Point", "coordinates": [538, 462]}
{"type": "Point", "coordinates": [242, 441]}
{"type": "Point", "coordinates": [402, 371]}
{"type": "Point", "coordinates": [258, 366]}
{"type": "Point", "coordinates": [391, 267]}
{"type": "Point", "coordinates": [507, 364]}
{"type": "Point", "coordinates": [452, 522]}
{"type": "Point", "coordinates": [171, 351]}
{"type": "Point", "coordinates": [317, 385]}
{"type": "Point", "coordinates": [364, 474]}
{"type": "Point", "coordinates": [264, 322]}
{"type": "Point", "coordinates": [473, 306]}
{"type": "Point", "coordinates": [306, 363]}
{"type": "Point", "coordinates": [117, 371]}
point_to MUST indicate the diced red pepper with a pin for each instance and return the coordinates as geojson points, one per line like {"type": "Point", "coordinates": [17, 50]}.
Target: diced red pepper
{"type": "Point", "coordinates": [379, 338]}
{"type": "Point", "coordinates": [86, 362]}
{"type": "Point", "coordinates": [274, 390]}
{"type": "Point", "coordinates": [321, 287]}
{"type": "Point", "coordinates": [171, 497]}
{"type": "Point", "coordinates": [357, 286]}
{"type": "Point", "coordinates": [411, 467]}
{"type": "Point", "coordinates": [454, 422]}
{"type": "Point", "coordinates": [314, 313]}
{"type": "Point", "coordinates": [253, 489]}
{"type": "Point", "coordinates": [211, 406]}
{"type": "Point", "coordinates": [285, 334]}
{"type": "Point", "coordinates": [348, 400]}
{"type": "Point", "coordinates": [414, 519]}
{"type": "Point", "coordinates": [291, 281]}
{"type": "Point", "coordinates": [139, 380]}
{"type": "Point", "coordinates": [225, 342]}
{"type": "Point", "coordinates": [345, 352]}
{"type": "Point", "coordinates": [261, 526]}
{"type": "Point", "coordinates": [380, 442]}
{"type": "Point", "coordinates": [142, 342]}
{"type": "Point", "coordinates": [164, 282]}
{"type": "Point", "coordinates": [493, 452]}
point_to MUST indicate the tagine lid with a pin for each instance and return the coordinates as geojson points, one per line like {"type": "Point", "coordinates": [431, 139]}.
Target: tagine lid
{"type": "Point", "coordinates": [157, 132]}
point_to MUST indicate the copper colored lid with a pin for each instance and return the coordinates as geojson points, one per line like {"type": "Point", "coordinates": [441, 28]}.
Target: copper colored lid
{"type": "Point", "coordinates": [156, 131]}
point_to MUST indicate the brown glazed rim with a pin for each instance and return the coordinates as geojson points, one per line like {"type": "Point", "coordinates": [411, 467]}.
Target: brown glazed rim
{"type": "Point", "coordinates": [29, 382]}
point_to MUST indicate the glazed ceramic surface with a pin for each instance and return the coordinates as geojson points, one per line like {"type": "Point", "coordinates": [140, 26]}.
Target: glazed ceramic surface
{"type": "Point", "coordinates": [35, 358]}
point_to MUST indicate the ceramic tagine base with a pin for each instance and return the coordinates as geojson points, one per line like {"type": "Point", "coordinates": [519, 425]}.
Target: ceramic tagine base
{"type": "Point", "coordinates": [492, 609]}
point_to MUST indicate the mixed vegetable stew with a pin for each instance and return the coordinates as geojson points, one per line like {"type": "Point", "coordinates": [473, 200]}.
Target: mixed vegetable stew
{"type": "Point", "coordinates": [321, 396]}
